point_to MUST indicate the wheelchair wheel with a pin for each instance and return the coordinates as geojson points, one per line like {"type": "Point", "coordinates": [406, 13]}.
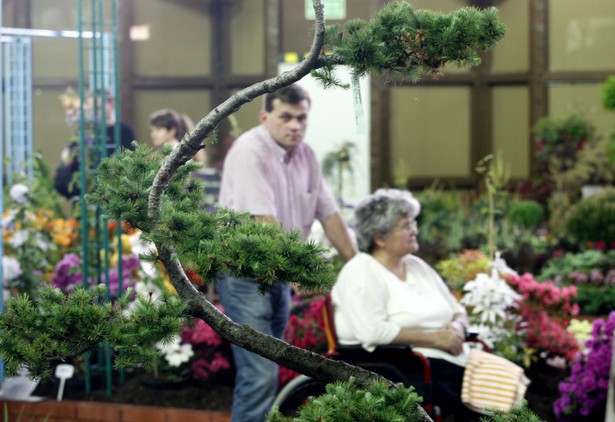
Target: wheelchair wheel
{"type": "Point", "coordinates": [296, 393]}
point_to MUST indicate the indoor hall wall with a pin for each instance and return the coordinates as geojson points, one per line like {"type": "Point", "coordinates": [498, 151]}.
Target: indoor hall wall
{"type": "Point", "coordinates": [581, 43]}
{"type": "Point", "coordinates": [440, 128]}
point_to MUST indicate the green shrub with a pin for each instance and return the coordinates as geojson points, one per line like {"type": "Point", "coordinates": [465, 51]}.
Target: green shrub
{"type": "Point", "coordinates": [608, 94]}
{"type": "Point", "coordinates": [343, 401]}
{"type": "Point", "coordinates": [442, 222]}
{"type": "Point", "coordinates": [591, 271]}
{"type": "Point", "coordinates": [608, 101]}
{"type": "Point", "coordinates": [592, 219]}
{"type": "Point", "coordinates": [526, 213]}
{"type": "Point", "coordinates": [582, 262]}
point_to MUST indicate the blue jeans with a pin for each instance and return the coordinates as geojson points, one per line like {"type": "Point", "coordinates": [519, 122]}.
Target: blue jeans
{"type": "Point", "coordinates": [256, 383]}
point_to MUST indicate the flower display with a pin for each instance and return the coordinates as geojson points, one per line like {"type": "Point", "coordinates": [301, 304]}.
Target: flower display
{"type": "Point", "coordinates": [547, 310]}
{"type": "Point", "coordinates": [462, 268]}
{"type": "Point", "coordinates": [490, 302]}
{"type": "Point", "coordinates": [68, 275]}
{"type": "Point", "coordinates": [545, 296]}
{"type": "Point", "coordinates": [18, 193]}
{"type": "Point", "coordinates": [11, 269]}
{"type": "Point", "coordinates": [197, 352]}
{"type": "Point", "coordinates": [583, 395]}
{"type": "Point", "coordinates": [592, 272]}
{"type": "Point", "coordinates": [174, 352]}
{"type": "Point", "coordinates": [212, 354]}
{"type": "Point", "coordinates": [305, 329]}
{"type": "Point", "coordinates": [581, 330]}
{"type": "Point", "coordinates": [489, 298]}
{"type": "Point", "coordinates": [35, 237]}
{"type": "Point", "coordinates": [558, 141]}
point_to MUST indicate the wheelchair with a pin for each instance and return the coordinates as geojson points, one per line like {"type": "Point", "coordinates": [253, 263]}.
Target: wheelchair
{"type": "Point", "coordinates": [398, 363]}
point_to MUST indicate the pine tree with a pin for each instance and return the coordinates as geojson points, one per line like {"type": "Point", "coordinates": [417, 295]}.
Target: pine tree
{"type": "Point", "coordinates": [153, 192]}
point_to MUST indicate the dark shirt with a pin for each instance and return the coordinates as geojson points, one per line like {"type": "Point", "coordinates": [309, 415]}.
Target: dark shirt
{"type": "Point", "coordinates": [64, 173]}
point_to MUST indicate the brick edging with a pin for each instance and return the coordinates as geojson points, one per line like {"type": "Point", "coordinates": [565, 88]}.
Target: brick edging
{"type": "Point", "coordinates": [83, 411]}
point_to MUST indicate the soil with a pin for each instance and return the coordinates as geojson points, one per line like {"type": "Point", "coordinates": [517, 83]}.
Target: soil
{"type": "Point", "coordinates": [136, 389]}
{"type": "Point", "coordinates": [139, 388]}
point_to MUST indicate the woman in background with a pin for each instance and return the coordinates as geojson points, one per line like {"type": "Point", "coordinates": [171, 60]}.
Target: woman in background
{"type": "Point", "coordinates": [386, 295]}
{"type": "Point", "coordinates": [167, 126]}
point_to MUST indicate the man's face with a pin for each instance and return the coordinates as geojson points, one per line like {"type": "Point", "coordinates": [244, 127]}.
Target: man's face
{"type": "Point", "coordinates": [286, 123]}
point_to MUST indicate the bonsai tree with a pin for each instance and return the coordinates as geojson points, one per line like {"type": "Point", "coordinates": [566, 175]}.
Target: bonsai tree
{"type": "Point", "coordinates": [152, 192]}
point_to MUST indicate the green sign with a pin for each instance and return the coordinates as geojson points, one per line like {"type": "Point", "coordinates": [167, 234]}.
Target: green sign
{"type": "Point", "coordinates": [334, 9]}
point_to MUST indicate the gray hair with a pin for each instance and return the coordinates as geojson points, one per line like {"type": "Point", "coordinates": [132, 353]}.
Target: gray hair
{"type": "Point", "coordinates": [379, 212]}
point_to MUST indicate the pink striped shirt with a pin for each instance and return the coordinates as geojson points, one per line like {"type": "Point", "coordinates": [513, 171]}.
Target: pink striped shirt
{"type": "Point", "coordinates": [262, 178]}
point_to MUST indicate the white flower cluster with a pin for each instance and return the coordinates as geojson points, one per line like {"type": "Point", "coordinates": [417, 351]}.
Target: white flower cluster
{"type": "Point", "coordinates": [19, 193]}
{"type": "Point", "coordinates": [174, 352]}
{"type": "Point", "coordinates": [11, 269]}
{"type": "Point", "coordinates": [489, 298]}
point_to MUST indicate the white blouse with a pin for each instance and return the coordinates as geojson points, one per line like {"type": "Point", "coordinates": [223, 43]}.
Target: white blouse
{"type": "Point", "coordinates": [371, 304]}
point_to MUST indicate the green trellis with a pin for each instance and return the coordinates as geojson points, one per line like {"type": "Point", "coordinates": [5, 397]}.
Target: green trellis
{"type": "Point", "coordinates": [98, 70]}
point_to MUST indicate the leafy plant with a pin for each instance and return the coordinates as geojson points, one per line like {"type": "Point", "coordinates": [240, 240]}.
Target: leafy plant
{"type": "Point", "coordinates": [337, 166]}
{"type": "Point", "coordinates": [567, 268]}
{"type": "Point", "coordinates": [461, 268]}
{"type": "Point", "coordinates": [592, 272]}
{"type": "Point", "coordinates": [40, 333]}
{"type": "Point", "coordinates": [520, 414]}
{"type": "Point", "coordinates": [526, 213]}
{"type": "Point", "coordinates": [558, 142]}
{"type": "Point", "coordinates": [495, 175]}
{"type": "Point", "coordinates": [592, 219]}
{"type": "Point", "coordinates": [593, 165]}
{"type": "Point", "coordinates": [441, 221]}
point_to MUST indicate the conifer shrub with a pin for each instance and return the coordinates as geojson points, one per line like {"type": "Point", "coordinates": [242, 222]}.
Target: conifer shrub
{"type": "Point", "coordinates": [344, 401]}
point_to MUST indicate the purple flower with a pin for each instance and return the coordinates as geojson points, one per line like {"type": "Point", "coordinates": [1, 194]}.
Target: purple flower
{"type": "Point", "coordinates": [67, 274]}
{"type": "Point", "coordinates": [578, 277]}
{"type": "Point", "coordinates": [586, 388]}
{"type": "Point", "coordinates": [596, 276]}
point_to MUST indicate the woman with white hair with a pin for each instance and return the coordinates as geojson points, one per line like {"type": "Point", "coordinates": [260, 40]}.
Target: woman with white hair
{"type": "Point", "coordinates": [386, 295]}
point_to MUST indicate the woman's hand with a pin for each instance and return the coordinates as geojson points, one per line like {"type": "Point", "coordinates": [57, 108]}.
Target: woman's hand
{"type": "Point", "coordinates": [449, 339]}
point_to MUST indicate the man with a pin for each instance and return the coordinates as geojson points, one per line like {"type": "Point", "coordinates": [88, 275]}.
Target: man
{"type": "Point", "coordinates": [64, 179]}
{"type": "Point", "coordinates": [271, 173]}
